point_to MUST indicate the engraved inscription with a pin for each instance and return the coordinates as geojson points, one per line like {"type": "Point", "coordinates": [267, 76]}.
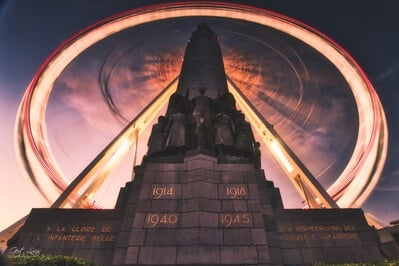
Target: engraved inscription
{"type": "Point", "coordinates": [318, 228]}
{"type": "Point", "coordinates": [159, 192]}
{"type": "Point", "coordinates": [83, 229]}
{"type": "Point", "coordinates": [78, 233]}
{"type": "Point", "coordinates": [319, 232]}
{"type": "Point", "coordinates": [161, 220]}
{"type": "Point", "coordinates": [67, 237]}
{"type": "Point", "coordinates": [335, 236]}
{"type": "Point", "coordinates": [234, 192]}
{"type": "Point", "coordinates": [235, 219]}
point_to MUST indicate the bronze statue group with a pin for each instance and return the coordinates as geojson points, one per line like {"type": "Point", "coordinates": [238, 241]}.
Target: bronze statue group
{"type": "Point", "coordinates": [202, 123]}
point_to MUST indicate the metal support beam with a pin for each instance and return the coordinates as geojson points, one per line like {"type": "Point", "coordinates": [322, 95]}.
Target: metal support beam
{"type": "Point", "coordinates": [106, 160]}
{"type": "Point", "coordinates": [305, 183]}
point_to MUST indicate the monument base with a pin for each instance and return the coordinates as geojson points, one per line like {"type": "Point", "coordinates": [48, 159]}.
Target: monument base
{"type": "Point", "coordinates": [200, 211]}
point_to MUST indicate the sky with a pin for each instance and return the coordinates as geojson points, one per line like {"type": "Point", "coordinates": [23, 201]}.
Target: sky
{"type": "Point", "coordinates": [31, 30]}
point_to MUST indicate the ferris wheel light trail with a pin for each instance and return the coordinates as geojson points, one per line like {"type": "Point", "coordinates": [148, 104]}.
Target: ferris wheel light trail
{"type": "Point", "coordinates": [350, 189]}
{"type": "Point", "coordinates": [305, 183]}
{"type": "Point", "coordinates": [107, 159]}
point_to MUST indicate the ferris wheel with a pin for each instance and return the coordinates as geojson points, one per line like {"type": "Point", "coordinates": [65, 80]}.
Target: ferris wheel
{"type": "Point", "coordinates": [353, 185]}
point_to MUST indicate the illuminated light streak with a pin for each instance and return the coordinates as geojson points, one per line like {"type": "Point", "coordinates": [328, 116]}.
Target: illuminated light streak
{"type": "Point", "coordinates": [305, 183]}
{"type": "Point", "coordinates": [123, 146]}
{"type": "Point", "coordinates": [369, 155]}
{"type": "Point", "coordinates": [126, 138]}
{"type": "Point", "coordinates": [296, 106]}
{"type": "Point", "coordinates": [284, 160]}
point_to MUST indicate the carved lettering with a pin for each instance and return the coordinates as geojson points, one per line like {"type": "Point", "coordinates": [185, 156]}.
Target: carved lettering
{"type": "Point", "coordinates": [349, 228]}
{"type": "Point", "coordinates": [326, 236]}
{"type": "Point", "coordinates": [309, 237]}
{"type": "Point", "coordinates": [318, 228]}
{"type": "Point", "coordinates": [76, 229]}
{"type": "Point", "coordinates": [286, 228]}
{"type": "Point", "coordinates": [155, 220]}
{"type": "Point", "coordinates": [81, 238]}
{"type": "Point", "coordinates": [67, 237]}
{"type": "Point", "coordinates": [60, 228]}
{"type": "Point", "coordinates": [235, 219]}
{"type": "Point", "coordinates": [292, 237]}
{"type": "Point", "coordinates": [106, 229]}
{"type": "Point", "coordinates": [103, 238]}
{"type": "Point", "coordinates": [319, 232]}
{"type": "Point", "coordinates": [236, 192]}
{"type": "Point", "coordinates": [83, 229]}
{"type": "Point", "coordinates": [162, 191]}
{"type": "Point", "coordinates": [345, 236]}
{"type": "Point", "coordinates": [78, 233]}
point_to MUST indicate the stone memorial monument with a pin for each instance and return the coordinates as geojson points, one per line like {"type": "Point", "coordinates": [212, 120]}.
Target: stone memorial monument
{"type": "Point", "coordinates": [199, 197]}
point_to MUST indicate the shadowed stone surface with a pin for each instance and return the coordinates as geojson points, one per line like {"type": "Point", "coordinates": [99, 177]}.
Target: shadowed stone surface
{"type": "Point", "coordinates": [226, 223]}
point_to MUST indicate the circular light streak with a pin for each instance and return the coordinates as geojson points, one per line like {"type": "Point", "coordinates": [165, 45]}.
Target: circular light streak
{"type": "Point", "coordinates": [350, 189]}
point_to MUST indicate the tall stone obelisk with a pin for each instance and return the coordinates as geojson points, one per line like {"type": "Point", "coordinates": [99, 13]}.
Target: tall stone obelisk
{"type": "Point", "coordinates": [203, 65]}
{"type": "Point", "coordinates": [190, 208]}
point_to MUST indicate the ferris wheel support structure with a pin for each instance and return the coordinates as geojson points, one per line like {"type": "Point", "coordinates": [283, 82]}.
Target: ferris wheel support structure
{"type": "Point", "coordinates": [350, 189]}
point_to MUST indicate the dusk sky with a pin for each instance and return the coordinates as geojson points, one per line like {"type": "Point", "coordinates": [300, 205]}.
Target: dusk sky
{"type": "Point", "coordinates": [31, 30]}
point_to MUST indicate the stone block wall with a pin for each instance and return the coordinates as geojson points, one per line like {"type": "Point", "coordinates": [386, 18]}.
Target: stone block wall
{"type": "Point", "coordinates": [198, 213]}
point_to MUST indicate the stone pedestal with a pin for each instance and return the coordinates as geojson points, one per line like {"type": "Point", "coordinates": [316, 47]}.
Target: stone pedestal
{"type": "Point", "coordinates": [197, 212]}
{"type": "Point", "coordinates": [200, 212]}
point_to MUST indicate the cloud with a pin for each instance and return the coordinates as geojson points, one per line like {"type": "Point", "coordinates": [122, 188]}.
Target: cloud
{"type": "Point", "coordinates": [81, 94]}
